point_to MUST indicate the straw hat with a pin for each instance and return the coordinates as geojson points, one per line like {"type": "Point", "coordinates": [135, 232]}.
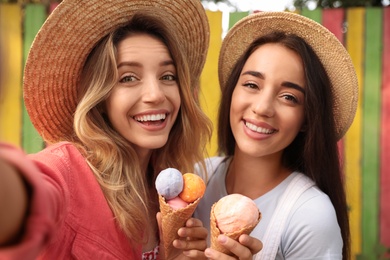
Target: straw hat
{"type": "Point", "coordinates": [331, 52]}
{"type": "Point", "coordinates": [69, 34]}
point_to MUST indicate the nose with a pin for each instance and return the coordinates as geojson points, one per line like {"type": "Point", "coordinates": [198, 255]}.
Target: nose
{"type": "Point", "coordinates": [263, 105]}
{"type": "Point", "coordinates": [153, 91]}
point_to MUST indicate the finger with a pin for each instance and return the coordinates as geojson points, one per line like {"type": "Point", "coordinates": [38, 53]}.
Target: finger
{"type": "Point", "coordinates": [235, 247]}
{"type": "Point", "coordinates": [214, 254]}
{"type": "Point", "coordinates": [194, 222]}
{"type": "Point", "coordinates": [195, 254]}
{"type": "Point", "coordinates": [193, 233]}
{"type": "Point", "coordinates": [253, 244]}
{"type": "Point", "coordinates": [190, 244]}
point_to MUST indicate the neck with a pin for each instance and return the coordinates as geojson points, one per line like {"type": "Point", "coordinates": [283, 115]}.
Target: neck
{"type": "Point", "coordinates": [254, 176]}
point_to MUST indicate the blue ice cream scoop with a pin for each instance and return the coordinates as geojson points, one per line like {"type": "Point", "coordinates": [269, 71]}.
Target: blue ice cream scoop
{"type": "Point", "coordinates": [169, 183]}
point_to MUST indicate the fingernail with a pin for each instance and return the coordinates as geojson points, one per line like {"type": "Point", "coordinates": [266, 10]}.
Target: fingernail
{"type": "Point", "coordinates": [207, 252]}
{"type": "Point", "coordinates": [181, 232]}
{"type": "Point", "coordinates": [222, 239]}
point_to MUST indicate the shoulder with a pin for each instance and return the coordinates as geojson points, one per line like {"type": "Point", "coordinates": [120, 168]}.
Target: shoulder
{"type": "Point", "coordinates": [312, 225]}
{"type": "Point", "coordinates": [63, 153]}
{"type": "Point", "coordinates": [58, 149]}
{"type": "Point", "coordinates": [314, 202]}
{"type": "Point", "coordinates": [211, 164]}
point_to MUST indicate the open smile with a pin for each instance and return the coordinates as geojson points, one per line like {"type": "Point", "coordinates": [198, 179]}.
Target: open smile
{"type": "Point", "coordinates": [258, 129]}
{"type": "Point", "coordinates": [151, 119]}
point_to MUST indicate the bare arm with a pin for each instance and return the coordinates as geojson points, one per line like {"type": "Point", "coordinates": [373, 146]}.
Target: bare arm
{"type": "Point", "coordinates": [13, 203]}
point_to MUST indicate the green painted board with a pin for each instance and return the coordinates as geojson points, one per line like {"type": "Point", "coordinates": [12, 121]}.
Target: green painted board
{"type": "Point", "coordinates": [235, 17]}
{"type": "Point", "coordinates": [315, 14]}
{"type": "Point", "coordinates": [35, 15]}
{"type": "Point", "coordinates": [371, 130]}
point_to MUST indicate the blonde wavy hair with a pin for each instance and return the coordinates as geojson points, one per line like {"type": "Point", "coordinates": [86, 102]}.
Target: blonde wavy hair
{"type": "Point", "coordinates": [110, 156]}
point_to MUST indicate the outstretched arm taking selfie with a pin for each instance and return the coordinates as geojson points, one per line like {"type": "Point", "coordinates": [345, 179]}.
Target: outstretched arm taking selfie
{"type": "Point", "coordinates": [13, 203]}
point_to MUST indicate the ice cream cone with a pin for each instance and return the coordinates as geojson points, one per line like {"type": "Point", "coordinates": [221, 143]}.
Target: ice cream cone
{"type": "Point", "coordinates": [172, 220]}
{"type": "Point", "coordinates": [215, 232]}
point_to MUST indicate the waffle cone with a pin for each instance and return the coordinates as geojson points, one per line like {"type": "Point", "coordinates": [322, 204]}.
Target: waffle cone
{"type": "Point", "coordinates": [171, 221]}
{"type": "Point", "coordinates": [215, 232]}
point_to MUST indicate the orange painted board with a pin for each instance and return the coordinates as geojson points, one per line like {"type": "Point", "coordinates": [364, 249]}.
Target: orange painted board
{"type": "Point", "coordinates": [52, 7]}
{"type": "Point", "coordinates": [333, 20]}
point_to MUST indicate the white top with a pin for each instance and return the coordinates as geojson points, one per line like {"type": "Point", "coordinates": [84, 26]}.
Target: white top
{"type": "Point", "coordinates": [311, 230]}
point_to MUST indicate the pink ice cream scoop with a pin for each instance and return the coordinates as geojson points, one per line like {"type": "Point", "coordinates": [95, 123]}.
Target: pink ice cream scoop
{"type": "Point", "coordinates": [177, 203]}
{"type": "Point", "coordinates": [234, 212]}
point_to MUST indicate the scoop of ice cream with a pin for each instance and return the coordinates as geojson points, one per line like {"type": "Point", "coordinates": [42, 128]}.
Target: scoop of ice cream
{"type": "Point", "coordinates": [177, 203]}
{"type": "Point", "coordinates": [169, 183]}
{"type": "Point", "coordinates": [234, 212]}
{"type": "Point", "coordinates": [193, 187]}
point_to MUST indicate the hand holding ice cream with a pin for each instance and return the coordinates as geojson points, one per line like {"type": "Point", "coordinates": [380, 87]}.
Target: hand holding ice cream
{"type": "Point", "coordinates": [178, 197]}
{"type": "Point", "coordinates": [232, 215]}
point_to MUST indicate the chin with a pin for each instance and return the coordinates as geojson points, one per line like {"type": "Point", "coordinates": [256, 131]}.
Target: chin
{"type": "Point", "coordinates": [154, 144]}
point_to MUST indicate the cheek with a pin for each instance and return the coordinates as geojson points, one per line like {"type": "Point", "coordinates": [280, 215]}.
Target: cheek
{"type": "Point", "coordinates": [295, 120]}
{"type": "Point", "coordinates": [173, 96]}
{"type": "Point", "coordinates": [235, 103]}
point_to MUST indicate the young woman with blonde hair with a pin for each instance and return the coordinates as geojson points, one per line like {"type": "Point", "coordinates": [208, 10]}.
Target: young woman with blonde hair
{"type": "Point", "coordinates": [110, 87]}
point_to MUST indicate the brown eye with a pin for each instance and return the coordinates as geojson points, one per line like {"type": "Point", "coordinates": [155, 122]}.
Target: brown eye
{"type": "Point", "coordinates": [168, 77]}
{"type": "Point", "coordinates": [290, 98]}
{"type": "Point", "coordinates": [128, 79]}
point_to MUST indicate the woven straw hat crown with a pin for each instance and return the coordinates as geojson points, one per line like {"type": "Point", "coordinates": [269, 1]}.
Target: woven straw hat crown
{"type": "Point", "coordinates": [66, 38]}
{"type": "Point", "coordinates": [328, 48]}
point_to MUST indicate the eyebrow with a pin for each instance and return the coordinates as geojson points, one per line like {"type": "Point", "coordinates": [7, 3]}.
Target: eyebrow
{"type": "Point", "coordinates": [284, 83]}
{"type": "Point", "coordinates": [137, 64]}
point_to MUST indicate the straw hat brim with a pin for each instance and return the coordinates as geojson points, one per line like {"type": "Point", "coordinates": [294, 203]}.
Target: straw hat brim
{"type": "Point", "coordinates": [69, 34]}
{"type": "Point", "coordinates": [330, 51]}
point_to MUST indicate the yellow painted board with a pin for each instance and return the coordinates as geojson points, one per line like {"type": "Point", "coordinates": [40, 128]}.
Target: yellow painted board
{"type": "Point", "coordinates": [210, 92]}
{"type": "Point", "coordinates": [11, 97]}
{"type": "Point", "coordinates": [353, 139]}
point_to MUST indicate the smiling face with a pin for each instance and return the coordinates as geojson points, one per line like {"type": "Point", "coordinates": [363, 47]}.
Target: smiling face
{"type": "Point", "coordinates": [267, 107]}
{"type": "Point", "coordinates": [144, 104]}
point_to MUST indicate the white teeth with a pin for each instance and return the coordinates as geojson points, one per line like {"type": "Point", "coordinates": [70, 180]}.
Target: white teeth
{"type": "Point", "coordinates": [258, 129]}
{"type": "Point", "coordinates": [145, 118]}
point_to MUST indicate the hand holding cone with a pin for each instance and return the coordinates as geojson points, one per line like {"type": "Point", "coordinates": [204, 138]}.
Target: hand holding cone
{"type": "Point", "coordinates": [178, 201]}
{"type": "Point", "coordinates": [232, 215]}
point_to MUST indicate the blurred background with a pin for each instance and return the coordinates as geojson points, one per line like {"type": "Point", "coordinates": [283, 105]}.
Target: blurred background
{"type": "Point", "coordinates": [363, 26]}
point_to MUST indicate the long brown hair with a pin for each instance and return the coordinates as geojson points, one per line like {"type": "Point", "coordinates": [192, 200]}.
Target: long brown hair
{"type": "Point", "coordinates": [110, 156]}
{"type": "Point", "coordinates": [308, 153]}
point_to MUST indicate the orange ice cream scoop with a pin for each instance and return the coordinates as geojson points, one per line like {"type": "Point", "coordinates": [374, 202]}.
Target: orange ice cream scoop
{"type": "Point", "coordinates": [235, 212]}
{"type": "Point", "coordinates": [193, 187]}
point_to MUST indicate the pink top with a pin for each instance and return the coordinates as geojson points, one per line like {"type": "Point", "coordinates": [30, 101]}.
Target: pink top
{"type": "Point", "coordinates": [69, 215]}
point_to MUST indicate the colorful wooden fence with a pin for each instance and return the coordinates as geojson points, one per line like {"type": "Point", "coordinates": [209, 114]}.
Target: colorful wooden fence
{"type": "Point", "coordinates": [366, 147]}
